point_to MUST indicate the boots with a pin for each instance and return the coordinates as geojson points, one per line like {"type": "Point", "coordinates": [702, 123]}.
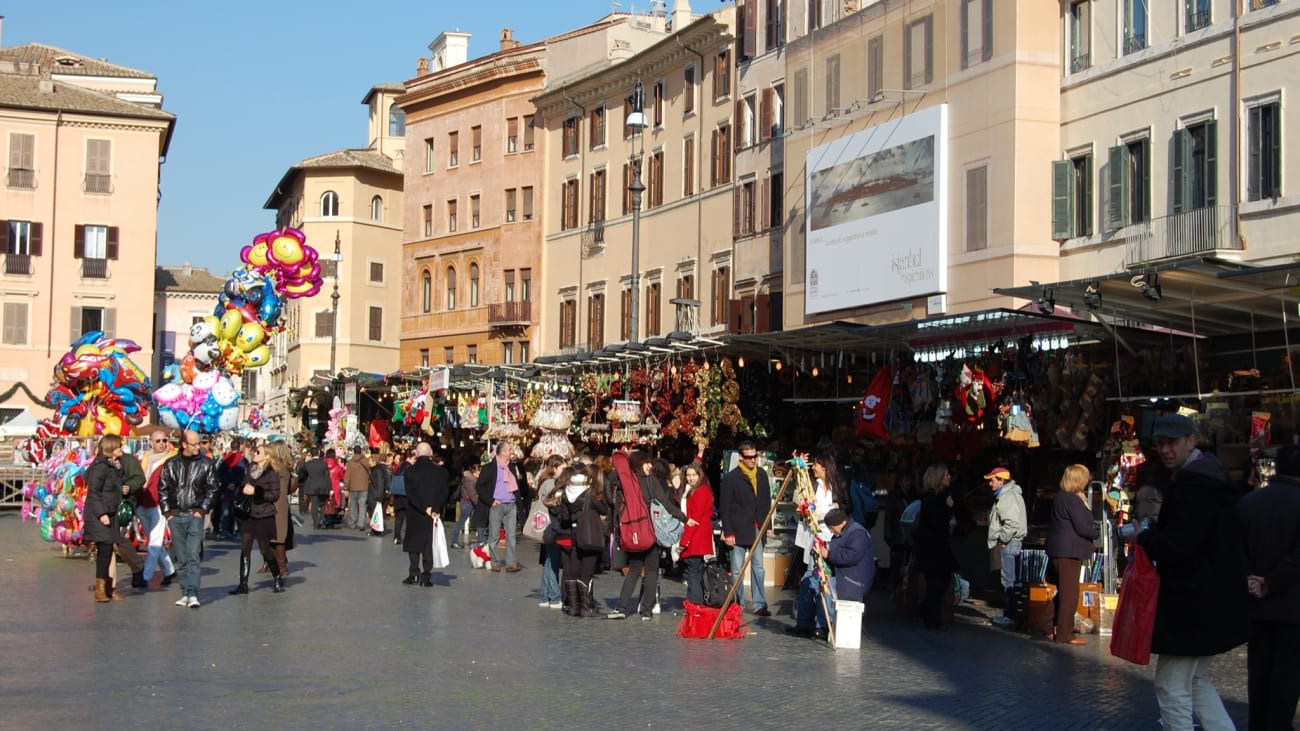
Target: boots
{"type": "Point", "coordinates": [426, 578]}
{"type": "Point", "coordinates": [589, 600]}
{"type": "Point", "coordinates": [569, 598]}
{"type": "Point", "coordinates": [101, 591]}
{"type": "Point", "coordinates": [108, 589]}
{"type": "Point", "coordinates": [245, 564]}
{"type": "Point", "coordinates": [137, 580]}
{"type": "Point", "coordinates": [277, 582]}
{"type": "Point", "coordinates": [577, 598]}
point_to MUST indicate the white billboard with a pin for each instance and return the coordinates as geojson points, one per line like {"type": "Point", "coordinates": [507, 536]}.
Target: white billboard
{"type": "Point", "coordinates": [877, 214]}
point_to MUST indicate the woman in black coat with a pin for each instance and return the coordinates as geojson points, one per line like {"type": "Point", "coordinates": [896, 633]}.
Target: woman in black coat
{"type": "Point", "coordinates": [580, 533]}
{"type": "Point", "coordinates": [931, 544]}
{"type": "Point", "coordinates": [261, 491]}
{"type": "Point", "coordinates": [105, 486]}
{"type": "Point", "coordinates": [1069, 541]}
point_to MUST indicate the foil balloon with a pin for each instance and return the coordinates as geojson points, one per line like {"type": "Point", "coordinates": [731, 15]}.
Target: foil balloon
{"type": "Point", "coordinates": [98, 388]}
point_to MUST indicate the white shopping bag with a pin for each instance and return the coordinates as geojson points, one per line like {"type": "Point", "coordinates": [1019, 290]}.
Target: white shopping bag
{"type": "Point", "coordinates": [377, 519]}
{"type": "Point", "coordinates": [440, 558]}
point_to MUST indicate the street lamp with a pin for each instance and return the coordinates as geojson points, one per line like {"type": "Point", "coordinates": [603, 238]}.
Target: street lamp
{"type": "Point", "coordinates": [334, 318]}
{"type": "Point", "coordinates": [637, 121]}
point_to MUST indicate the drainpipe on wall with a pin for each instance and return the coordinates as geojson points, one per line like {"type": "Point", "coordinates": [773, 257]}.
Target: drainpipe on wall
{"type": "Point", "coordinates": [582, 168]}
{"type": "Point", "coordinates": [1237, 196]}
{"type": "Point", "coordinates": [54, 236]}
{"type": "Point", "coordinates": [699, 190]}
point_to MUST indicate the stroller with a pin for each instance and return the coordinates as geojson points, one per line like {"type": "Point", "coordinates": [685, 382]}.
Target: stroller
{"type": "Point", "coordinates": [331, 515]}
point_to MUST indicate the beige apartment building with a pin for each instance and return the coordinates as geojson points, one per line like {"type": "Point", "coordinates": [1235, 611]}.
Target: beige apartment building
{"type": "Point", "coordinates": [685, 153]}
{"type": "Point", "coordinates": [923, 127]}
{"type": "Point", "coordinates": [473, 232]}
{"type": "Point", "coordinates": [79, 206]}
{"type": "Point", "coordinates": [350, 202]}
{"type": "Point", "coordinates": [1172, 142]}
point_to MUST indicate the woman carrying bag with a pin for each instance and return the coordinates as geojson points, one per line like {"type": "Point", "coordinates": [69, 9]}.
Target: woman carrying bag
{"type": "Point", "coordinates": [580, 531]}
{"type": "Point", "coordinates": [255, 506]}
{"type": "Point", "coordinates": [105, 487]}
{"type": "Point", "coordinates": [1069, 541]}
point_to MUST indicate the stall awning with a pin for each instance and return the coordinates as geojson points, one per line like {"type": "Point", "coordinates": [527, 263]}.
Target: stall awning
{"type": "Point", "coordinates": [1201, 296]}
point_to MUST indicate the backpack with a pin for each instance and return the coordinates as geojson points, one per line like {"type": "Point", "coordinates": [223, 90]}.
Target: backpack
{"type": "Point", "coordinates": [635, 529]}
{"type": "Point", "coordinates": [907, 521]}
{"type": "Point", "coordinates": [716, 582]}
{"type": "Point", "coordinates": [668, 529]}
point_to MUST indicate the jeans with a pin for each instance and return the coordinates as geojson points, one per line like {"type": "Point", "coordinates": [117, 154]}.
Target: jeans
{"type": "Point", "coordinates": [466, 512]}
{"type": "Point", "coordinates": [755, 572]}
{"type": "Point", "coordinates": [155, 528]}
{"type": "Point", "coordinates": [1273, 674]}
{"type": "Point", "coordinates": [357, 517]}
{"type": "Point", "coordinates": [550, 589]}
{"type": "Point", "coordinates": [810, 610]}
{"type": "Point", "coordinates": [1010, 553]}
{"type": "Point", "coordinates": [187, 540]}
{"type": "Point", "coordinates": [693, 572]}
{"type": "Point", "coordinates": [1182, 686]}
{"type": "Point", "coordinates": [502, 514]}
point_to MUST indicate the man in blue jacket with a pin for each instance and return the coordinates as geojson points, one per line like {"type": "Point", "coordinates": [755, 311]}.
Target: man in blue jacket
{"type": "Point", "coordinates": [854, 561]}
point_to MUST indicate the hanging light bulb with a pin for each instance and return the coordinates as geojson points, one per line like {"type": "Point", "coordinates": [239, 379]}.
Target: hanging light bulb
{"type": "Point", "coordinates": [778, 365]}
{"type": "Point", "coordinates": [741, 361]}
{"type": "Point", "coordinates": [850, 379]}
{"type": "Point", "coordinates": [815, 372]}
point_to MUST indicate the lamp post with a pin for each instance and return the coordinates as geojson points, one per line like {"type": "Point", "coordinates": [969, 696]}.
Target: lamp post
{"type": "Point", "coordinates": [334, 318]}
{"type": "Point", "coordinates": [637, 121]}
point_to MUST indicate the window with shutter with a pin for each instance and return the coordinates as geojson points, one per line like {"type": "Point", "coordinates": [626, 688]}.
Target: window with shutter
{"type": "Point", "coordinates": [976, 32]}
{"type": "Point", "coordinates": [833, 84]}
{"type": "Point", "coordinates": [656, 190]}
{"type": "Point", "coordinates": [324, 324]}
{"type": "Point", "coordinates": [875, 66]}
{"type": "Point", "coordinates": [595, 321]}
{"type": "Point", "coordinates": [376, 324]}
{"type": "Point", "coordinates": [1062, 200]}
{"type": "Point", "coordinates": [476, 143]}
{"type": "Point", "coordinates": [1117, 198]}
{"type": "Point", "coordinates": [1264, 142]}
{"type": "Point", "coordinates": [799, 107]}
{"type": "Point", "coordinates": [22, 161]}
{"type": "Point", "coordinates": [512, 135]}
{"type": "Point", "coordinates": [688, 90]}
{"type": "Point", "coordinates": [529, 132]}
{"type": "Point", "coordinates": [15, 323]}
{"type": "Point", "coordinates": [527, 193]}
{"type": "Point", "coordinates": [453, 149]}
{"type": "Point", "coordinates": [597, 194]}
{"type": "Point", "coordinates": [688, 166]}
{"type": "Point", "coordinates": [377, 271]}
{"type": "Point", "coordinates": [625, 314]}
{"type": "Point", "coordinates": [977, 207]}
{"type": "Point", "coordinates": [99, 166]}
{"type": "Point", "coordinates": [765, 115]}
{"type": "Point", "coordinates": [597, 123]}
{"type": "Point", "coordinates": [776, 206]}
{"type": "Point", "coordinates": [451, 216]}
{"type": "Point", "coordinates": [475, 211]}
{"type": "Point", "coordinates": [1082, 195]}
{"type": "Point", "coordinates": [653, 309]}
{"type": "Point", "coordinates": [773, 25]}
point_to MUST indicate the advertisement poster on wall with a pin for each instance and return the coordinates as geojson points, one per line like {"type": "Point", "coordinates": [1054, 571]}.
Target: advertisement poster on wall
{"type": "Point", "coordinates": [877, 214]}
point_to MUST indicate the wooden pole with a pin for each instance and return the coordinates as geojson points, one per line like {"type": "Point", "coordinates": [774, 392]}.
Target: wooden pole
{"type": "Point", "coordinates": [744, 569]}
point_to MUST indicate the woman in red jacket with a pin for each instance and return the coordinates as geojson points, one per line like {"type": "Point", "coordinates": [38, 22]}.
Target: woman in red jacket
{"type": "Point", "coordinates": [697, 538]}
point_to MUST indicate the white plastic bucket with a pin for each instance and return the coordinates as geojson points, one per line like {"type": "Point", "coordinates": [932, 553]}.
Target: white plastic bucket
{"type": "Point", "coordinates": [848, 624]}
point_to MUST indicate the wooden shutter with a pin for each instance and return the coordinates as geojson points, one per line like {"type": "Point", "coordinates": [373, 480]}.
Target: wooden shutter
{"type": "Point", "coordinates": [79, 243]}
{"type": "Point", "coordinates": [1117, 212]}
{"type": "Point", "coordinates": [109, 322]}
{"type": "Point", "coordinates": [1062, 199]}
{"type": "Point", "coordinates": [4, 237]}
{"type": "Point", "coordinates": [751, 28]}
{"type": "Point", "coordinates": [907, 57]}
{"type": "Point", "coordinates": [1178, 169]}
{"type": "Point", "coordinates": [37, 231]}
{"type": "Point", "coordinates": [988, 30]}
{"type": "Point", "coordinates": [764, 205]}
{"type": "Point", "coordinates": [735, 317]}
{"type": "Point", "coordinates": [740, 120]}
{"type": "Point", "coordinates": [929, 49]}
{"type": "Point", "coordinates": [736, 229]}
{"type": "Point", "coordinates": [763, 313]}
{"type": "Point", "coordinates": [765, 115]}
{"type": "Point", "coordinates": [1211, 167]}
{"type": "Point", "coordinates": [75, 331]}
{"type": "Point", "coordinates": [110, 248]}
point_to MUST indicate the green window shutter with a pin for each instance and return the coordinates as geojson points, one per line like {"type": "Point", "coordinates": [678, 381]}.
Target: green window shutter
{"type": "Point", "coordinates": [1179, 169]}
{"type": "Point", "coordinates": [1146, 180]}
{"type": "Point", "coordinates": [1254, 154]}
{"type": "Point", "coordinates": [1117, 206]}
{"type": "Point", "coordinates": [988, 29]}
{"type": "Point", "coordinates": [1062, 199]}
{"type": "Point", "coordinates": [1274, 152]}
{"type": "Point", "coordinates": [75, 332]}
{"type": "Point", "coordinates": [1211, 168]}
{"type": "Point", "coordinates": [1086, 198]}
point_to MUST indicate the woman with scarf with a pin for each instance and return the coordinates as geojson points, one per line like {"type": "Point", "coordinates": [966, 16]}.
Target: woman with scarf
{"type": "Point", "coordinates": [580, 534]}
{"type": "Point", "coordinates": [105, 487]}
{"type": "Point", "coordinates": [260, 493]}
{"type": "Point", "coordinates": [697, 538]}
{"type": "Point", "coordinates": [636, 472]}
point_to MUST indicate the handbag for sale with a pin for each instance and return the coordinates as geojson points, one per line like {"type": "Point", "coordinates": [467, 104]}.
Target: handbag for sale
{"type": "Point", "coordinates": [698, 621]}
{"type": "Point", "coordinates": [1135, 617]}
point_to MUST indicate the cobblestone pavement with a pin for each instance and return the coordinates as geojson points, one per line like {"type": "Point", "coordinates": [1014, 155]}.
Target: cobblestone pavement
{"type": "Point", "coordinates": [349, 647]}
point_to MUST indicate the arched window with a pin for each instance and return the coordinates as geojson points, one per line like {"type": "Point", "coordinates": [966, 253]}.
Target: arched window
{"type": "Point", "coordinates": [329, 203]}
{"type": "Point", "coordinates": [473, 285]}
{"type": "Point", "coordinates": [426, 292]}
{"type": "Point", "coordinates": [396, 121]}
{"type": "Point", "coordinates": [451, 288]}
{"type": "Point", "coordinates": [376, 209]}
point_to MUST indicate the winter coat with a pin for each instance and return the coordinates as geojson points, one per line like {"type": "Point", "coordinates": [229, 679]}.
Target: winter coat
{"type": "Point", "coordinates": [1072, 530]}
{"type": "Point", "coordinates": [1007, 521]}
{"type": "Point", "coordinates": [742, 509]}
{"type": "Point", "coordinates": [1199, 551]}
{"type": "Point", "coordinates": [188, 484]}
{"type": "Point", "coordinates": [377, 487]}
{"type": "Point", "coordinates": [426, 488]}
{"type": "Point", "coordinates": [132, 475]}
{"type": "Point", "coordinates": [932, 547]}
{"type": "Point", "coordinates": [315, 477]}
{"type": "Point", "coordinates": [266, 490]}
{"type": "Point", "coordinates": [580, 514]}
{"type": "Point", "coordinates": [103, 497]}
{"type": "Point", "coordinates": [232, 471]}
{"type": "Point", "coordinates": [282, 520]}
{"type": "Point", "coordinates": [356, 477]}
{"type": "Point", "coordinates": [697, 540]}
{"type": "Point", "coordinates": [854, 562]}
{"type": "Point", "coordinates": [1271, 520]}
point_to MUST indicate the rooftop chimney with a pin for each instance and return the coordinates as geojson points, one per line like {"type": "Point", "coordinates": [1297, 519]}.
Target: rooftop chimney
{"type": "Point", "coordinates": [508, 39]}
{"type": "Point", "coordinates": [422, 67]}
{"type": "Point", "coordinates": [681, 14]}
{"type": "Point", "coordinates": [450, 48]}
{"type": "Point", "coordinates": [187, 269]}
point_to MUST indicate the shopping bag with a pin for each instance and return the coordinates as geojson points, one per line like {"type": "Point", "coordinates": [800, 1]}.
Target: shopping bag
{"type": "Point", "coordinates": [440, 558]}
{"type": "Point", "coordinates": [1135, 617]}
{"type": "Point", "coordinates": [377, 519]}
{"type": "Point", "coordinates": [538, 519]}
{"type": "Point", "coordinates": [698, 621]}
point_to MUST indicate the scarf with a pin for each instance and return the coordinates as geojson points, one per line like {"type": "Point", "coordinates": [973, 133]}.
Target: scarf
{"type": "Point", "coordinates": [751, 473]}
{"type": "Point", "coordinates": [256, 471]}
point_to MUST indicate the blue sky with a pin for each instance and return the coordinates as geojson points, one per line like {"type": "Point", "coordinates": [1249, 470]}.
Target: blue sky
{"type": "Point", "coordinates": [259, 86]}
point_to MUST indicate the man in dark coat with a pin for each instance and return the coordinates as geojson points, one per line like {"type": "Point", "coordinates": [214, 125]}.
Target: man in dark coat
{"type": "Point", "coordinates": [1202, 608]}
{"type": "Point", "coordinates": [314, 477]}
{"type": "Point", "coordinates": [426, 495]}
{"type": "Point", "coordinates": [852, 558]}
{"type": "Point", "coordinates": [1271, 519]}
{"type": "Point", "coordinates": [744, 498]}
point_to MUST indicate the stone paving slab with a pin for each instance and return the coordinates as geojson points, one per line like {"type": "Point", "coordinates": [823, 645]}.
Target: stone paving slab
{"type": "Point", "coordinates": [349, 647]}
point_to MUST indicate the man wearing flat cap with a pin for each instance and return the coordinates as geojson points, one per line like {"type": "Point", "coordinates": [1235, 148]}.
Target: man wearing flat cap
{"type": "Point", "coordinates": [1008, 525]}
{"type": "Point", "coordinates": [1203, 604]}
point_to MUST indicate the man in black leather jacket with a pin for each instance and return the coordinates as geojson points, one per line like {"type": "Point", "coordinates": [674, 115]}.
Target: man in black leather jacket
{"type": "Point", "coordinates": [187, 490]}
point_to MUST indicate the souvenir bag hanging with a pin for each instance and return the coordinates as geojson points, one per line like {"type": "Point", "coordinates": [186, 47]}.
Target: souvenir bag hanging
{"type": "Point", "coordinates": [1135, 617]}
{"type": "Point", "coordinates": [869, 421]}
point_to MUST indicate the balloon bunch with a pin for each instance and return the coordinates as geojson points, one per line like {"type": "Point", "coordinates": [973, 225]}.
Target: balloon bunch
{"type": "Point", "coordinates": [277, 266]}
{"type": "Point", "coordinates": [98, 389]}
{"type": "Point", "coordinates": [57, 502]}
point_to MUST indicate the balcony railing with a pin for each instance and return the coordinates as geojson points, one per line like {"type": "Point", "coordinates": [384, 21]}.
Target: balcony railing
{"type": "Point", "coordinates": [21, 178]}
{"type": "Point", "coordinates": [1198, 19]}
{"type": "Point", "coordinates": [593, 238]}
{"type": "Point", "coordinates": [1133, 44]}
{"type": "Point", "coordinates": [1198, 231]}
{"type": "Point", "coordinates": [1080, 62]}
{"type": "Point", "coordinates": [95, 183]}
{"type": "Point", "coordinates": [1261, 4]}
{"type": "Point", "coordinates": [503, 314]}
{"type": "Point", "coordinates": [18, 263]}
{"type": "Point", "coordinates": [94, 268]}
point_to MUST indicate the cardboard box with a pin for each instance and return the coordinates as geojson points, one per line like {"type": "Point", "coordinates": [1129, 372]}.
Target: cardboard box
{"type": "Point", "coordinates": [774, 567]}
{"type": "Point", "coordinates": [1042, 611]}
{"type": "Point", "coordinates": [1090, 602]}
{"type": "Point", "coordinates": [1107, 615]}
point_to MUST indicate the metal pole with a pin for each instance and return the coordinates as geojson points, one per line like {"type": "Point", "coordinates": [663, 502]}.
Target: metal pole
{"type": "Point", "coordinates": [334, 318]}
{"type": "Point", "coordinates": [636, 188]}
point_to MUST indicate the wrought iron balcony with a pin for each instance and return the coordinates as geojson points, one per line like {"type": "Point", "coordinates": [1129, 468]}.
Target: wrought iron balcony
{"type": "Point", "coordinates": [21, 178]}
{"type": "Point", "coordinates": [1133, 44]}
{"type": "Point", "coordinates": [1080, 62]}
{"type": "Point", "coordinates": [510, 314]}
{"type": "Point", "coordinates": [98, 183]}
{"type": "Point", "coordinates": [1198, 19]}
{"type": "Point", "coordinates": [94, 268]}
{"type": "Point", "coordinates": [18, 263]}
{"type": "Point", "coordinates": [593, 238]}
{"type": "Point", "coordinates": [1199, 231]}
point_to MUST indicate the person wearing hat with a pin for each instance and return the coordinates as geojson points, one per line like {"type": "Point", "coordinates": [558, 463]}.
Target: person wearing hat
{"type": "Point", "coordinates": [1008, 526]}
{"type": "Point", "coordinates": [1202, 608]}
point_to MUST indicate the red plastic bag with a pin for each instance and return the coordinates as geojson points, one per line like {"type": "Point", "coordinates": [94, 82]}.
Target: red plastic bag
{"type": "Point", "coordinates": [699, 619]}
{"type": "Point", "coordinates": [1135, 617]}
